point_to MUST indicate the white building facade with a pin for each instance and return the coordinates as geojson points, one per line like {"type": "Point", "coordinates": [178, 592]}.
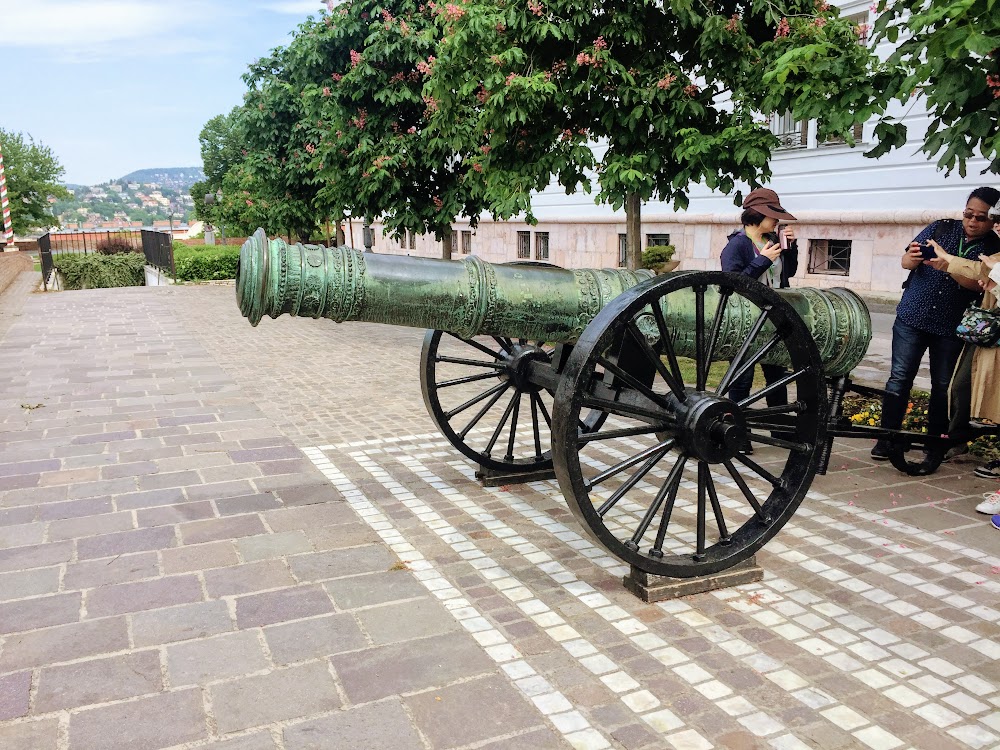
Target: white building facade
{"type": "Point", "coordinates": [855, 215]}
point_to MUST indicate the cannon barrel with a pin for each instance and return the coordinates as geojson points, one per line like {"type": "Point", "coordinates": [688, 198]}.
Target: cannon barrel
{"type": "Point", "coordinates": [471, 297]}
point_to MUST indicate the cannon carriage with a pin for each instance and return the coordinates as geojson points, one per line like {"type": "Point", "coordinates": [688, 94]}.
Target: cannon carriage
{"type": "Point", "coordinates": [616, 380]}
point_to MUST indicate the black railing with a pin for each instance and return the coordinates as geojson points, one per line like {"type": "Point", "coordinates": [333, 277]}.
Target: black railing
{"type": "Point", "coordinates": [157, 247]}
{"type": "Point", "coordinates": [159, 251]}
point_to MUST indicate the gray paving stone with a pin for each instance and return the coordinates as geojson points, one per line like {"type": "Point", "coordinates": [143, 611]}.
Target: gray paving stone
{"type": "Point", "coordinates": [258, 610]}
{"type": "Point", "coordinates": [418, 618]}
{"type": "Point", "coordinates": [138, 468]}
{"type": "Point", "coordinates": [248, 577]}
{"type": "Point", "coordinates": [74, 528]}
{"type": "Point", "coordinates": [159, 721]}
{"type": "Point", "coordinates": [122, 486]}
{"type": "Point", "coordinates": [217, 490]}
{"type": "Point", "coordinates": [20, 584]}
{"type": "Point", "coordinates": [315, 638]}
{"type": "Point", "coordinates": [538, 739]}
{"type": "Point", "coordinates": [199, 620]}
{"type": "Point", "coordinates": [273, 545]}
{"type": "Point", "coordinates": [135, 597]}
{"type": "Point", "coordinates": [341, 535]}
{"type": "Point", "coordinates": [36, 735]}
{"type": "Point", "coordinates": [150, 498]}
{"type": "Point", "coordinates": [338, 563]}
{"type": "Point", "coordinates": [383, 725]}
{"type": "Point", "coordinates": [41, 612]}
{"type": "Point", "coordinates": [375, 588]}
{"type": "Point", "coordinates": [265, 454]}
{"type": "Point", "coordinates": [21, 536]}
{"type": "Point", "coordinates": [230, 506]}
{"type": "Point", "coordinates": [210, 659]}
{"type": "Point", "coordinates": [312, 516]}
{"type": "Point", "coordinates": [121, 569]}
{"type": "Point", "coordinates": [33, 467]}
{"type": "Point", "coordinates": [410, 666]}
{"type": "Point", "coordinates": [92, 506]}
{"type": "Point", "coordinates": [15, 694]}
{"type": "Point", "coordinates": [124, 542]}
{"type": "Point", "coordinates": [255, 741]}
{"type": "Point", "coordinates": [280, 695]}
{"type": "Point", "coordinates": [199, 557]}
{"type": "Point", "coordinates": [215, 529]}
{"type": "Point", "coordinates": [172, 479]}
{"type": "Point", "coordinates": [173, 514]}
{"type": "Point", "coordinates": [98, 681]}
{"type": "Point", "coordinates": [35, 556]}
{"type": "Point", "coordinates": [62, 643]}
{"type": "Point", "coordinates": [443, 714]}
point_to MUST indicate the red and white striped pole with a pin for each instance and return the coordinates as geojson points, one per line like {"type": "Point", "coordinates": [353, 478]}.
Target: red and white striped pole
{"type": "Point", "coordinates": [8, 229]}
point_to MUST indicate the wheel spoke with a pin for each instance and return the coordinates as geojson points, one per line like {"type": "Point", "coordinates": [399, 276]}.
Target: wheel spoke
{"type": "Point", "coordinates": [676, 384]}
{"type": "Point", "coordinates": [758, 469]}
{"type": "Point", "coordinates": [700, 367]}
{"type": "Point", "coordinates": [778, 442]}
{"type": "Point", "coordinates": [504, 344]}
{"type": "Point", "coordinates": [736, 362]}
{"type": "Point", "coordinates": [502, 422]}
{"type": "Point", "coordinates": [476, 345]}
{"type": "Point", "coordinates": [633, 480]}
{"type": "Point", "coordinates": [753, 414]}
{"type": "Point", "coordinates": [781, 382]}
{"type": "Point", "coordinates": [668, 347]}
{"type": "Point", "coordinates": [534, 428]}
{"type": "Point", "coordinates": [671, 483]}
{"type": "Point", "coordinates": [627, 463]}
{"type": "Point", "coordinates": [720, 519]}
{"type": "Point", "coordinates": [702, 511]}
{"type": "Point", "coordinates": [651, 511]}
{"type": "Point", "coordinates": [758, 355]}
{"type": "Point", "coordinates": [476, 399]}
{"type": "Point", "coordinates": [471, 362]}
{"type": "Point", "coordinates": [466, 379]}
{"type": "Point", "coordinates": [482, 412]}
{"type": "Point", "coordinates": [626, 432]}
{"type": "Point", "coordinates": [623, 410]}
{"type": "Point", "coordinates": [541, 407]}
{"type": "Point", "coordinates": [513, 428]}
{"type": "Point", "coordinates": [656, 398]}
{"type": "Point", "coordinates": [747, 492]}
{"type": "Point", "coordinates": [716, 327]}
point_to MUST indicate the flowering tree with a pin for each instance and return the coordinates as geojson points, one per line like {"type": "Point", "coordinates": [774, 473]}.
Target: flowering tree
{"type": "Point", "coordinates": [673, 93]}
{"type": "Point", "coordinates": [950, 53]}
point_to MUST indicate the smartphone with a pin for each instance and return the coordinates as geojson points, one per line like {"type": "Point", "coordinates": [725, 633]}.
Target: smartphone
{"type": "Point", "coordinates": [927, 251]}
{"type": "Point", "coordinates": [771, 237]}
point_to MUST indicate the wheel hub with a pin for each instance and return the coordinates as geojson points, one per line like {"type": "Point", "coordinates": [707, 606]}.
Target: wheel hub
{"type": "Point", "coordinates": [710, 428]}
{"type": "Point", "coordinates": [519, 366]}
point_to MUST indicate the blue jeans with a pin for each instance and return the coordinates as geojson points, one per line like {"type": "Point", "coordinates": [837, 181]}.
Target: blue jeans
{"type": "Point", "coordinates": [908, 347]}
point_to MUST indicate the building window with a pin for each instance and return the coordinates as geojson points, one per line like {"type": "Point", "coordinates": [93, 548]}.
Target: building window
{"type": "Point", "coordinates": [454, 240]}
{"type": "Point", "coordinates": [830, 257]}
{"type": "Point", "coordinates": [657, 239]}
{"type": "Point", "coordinates": [789, 132]}
{"type": "Point", "coordinates": [541, 245]}
{"type": "Point", "coordinates": [622, 250]}
{"type": "Point", "coordinates": [524, 244]}
{"type": "Point", "coordinates": [466, 241]}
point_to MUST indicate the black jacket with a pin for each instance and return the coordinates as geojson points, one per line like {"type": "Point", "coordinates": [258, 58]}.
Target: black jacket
{"type": "Point", "coordinates": [740, 256]}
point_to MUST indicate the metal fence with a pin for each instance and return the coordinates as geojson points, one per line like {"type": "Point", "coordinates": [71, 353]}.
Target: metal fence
{"type": "Point", "coordinates": [156, 246]}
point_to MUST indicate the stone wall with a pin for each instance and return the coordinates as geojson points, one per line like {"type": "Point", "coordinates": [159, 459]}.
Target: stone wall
{"type": "Point", "coordinates": [11, 264]}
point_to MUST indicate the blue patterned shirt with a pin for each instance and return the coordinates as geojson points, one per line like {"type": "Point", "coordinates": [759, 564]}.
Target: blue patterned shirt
{"type": "Point", "coordinates": [933, 301]}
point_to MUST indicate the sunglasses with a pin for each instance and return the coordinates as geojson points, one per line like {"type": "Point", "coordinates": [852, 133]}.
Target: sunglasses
{"type": "Point", "coordinates": [980, 218]}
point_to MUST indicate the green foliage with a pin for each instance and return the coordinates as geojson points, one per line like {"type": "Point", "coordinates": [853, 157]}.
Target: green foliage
{"type": "Point", "coordinates": [115, 245]}
{"type": "Point", "coordinates": [32, 172]}
{"type": "Point", "coordinates": [950, 54]}
{"type": "Point", "coordinates": [205, 262]}
{"type": "Point", "coordinates": [656, 254]}
{"type": "Point", "coordinates": [97, 271]}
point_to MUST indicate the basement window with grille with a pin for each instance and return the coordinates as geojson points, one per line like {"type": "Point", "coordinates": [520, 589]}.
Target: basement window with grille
{"type": "Point", "coordinates": [524, 245]}
{"type": "Point", "coordinates": [830, 257]}
{"type": "Point", "coordinates": [541, 245]}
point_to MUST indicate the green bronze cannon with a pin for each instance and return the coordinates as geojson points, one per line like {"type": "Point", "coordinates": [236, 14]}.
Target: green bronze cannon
{"type": "Point", "coordinates": [616, 379]}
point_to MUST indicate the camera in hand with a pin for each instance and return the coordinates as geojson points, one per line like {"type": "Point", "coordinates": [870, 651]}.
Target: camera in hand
{"type": "Point", "coordinates": [770, 237]}
{"type": "Point", "coordinates": [927, 251]}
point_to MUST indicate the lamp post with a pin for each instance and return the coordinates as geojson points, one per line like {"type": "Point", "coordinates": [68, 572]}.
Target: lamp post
{"type": "Point", "coordinates": [213, 199]}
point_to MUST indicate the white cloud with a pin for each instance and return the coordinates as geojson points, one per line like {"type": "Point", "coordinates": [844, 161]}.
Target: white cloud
{"type": "Point", "coordinates": [294, 7]}
{"type": "Point", "coordinates": [96, 28]}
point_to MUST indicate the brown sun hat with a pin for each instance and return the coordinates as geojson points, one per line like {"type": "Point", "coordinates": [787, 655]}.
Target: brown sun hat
{"type": "Point", "coordinates": [765, 201]}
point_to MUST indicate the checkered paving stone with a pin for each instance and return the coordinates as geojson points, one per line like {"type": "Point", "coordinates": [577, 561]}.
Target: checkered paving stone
{"type": "Point", "coordinates": [214, 536]}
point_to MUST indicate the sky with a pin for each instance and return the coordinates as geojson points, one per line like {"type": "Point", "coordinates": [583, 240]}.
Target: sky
{"type": "Point", "coordinates": [117, 85]}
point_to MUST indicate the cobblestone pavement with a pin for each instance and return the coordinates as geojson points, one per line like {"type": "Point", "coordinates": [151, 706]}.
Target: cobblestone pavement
{"type": "Point", "coordinates": [226, 537]}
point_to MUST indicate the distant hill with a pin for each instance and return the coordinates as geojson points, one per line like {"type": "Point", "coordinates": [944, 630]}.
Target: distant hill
{"type": "Point", "coordinates": [177, 177]}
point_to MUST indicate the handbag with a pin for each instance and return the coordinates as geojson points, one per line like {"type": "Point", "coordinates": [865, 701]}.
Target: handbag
{"type": "Point", "coordinates": [980, 327]}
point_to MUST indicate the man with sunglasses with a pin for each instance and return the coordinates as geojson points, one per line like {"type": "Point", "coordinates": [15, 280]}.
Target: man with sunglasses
{"type": "Point", "coordinates": [931, 308]}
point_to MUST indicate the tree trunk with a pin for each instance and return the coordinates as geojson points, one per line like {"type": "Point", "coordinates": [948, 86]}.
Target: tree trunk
{"type": "Point", "coordinates": [341, 239]}
{"type": "Point", "coordinates": [633, 231]}
{"type": "Point", "coordinates": [446, 247]}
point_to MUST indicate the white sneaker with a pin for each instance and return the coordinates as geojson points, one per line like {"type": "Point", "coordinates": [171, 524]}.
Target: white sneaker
{"type": "Point", "coordinates": [990, 505]}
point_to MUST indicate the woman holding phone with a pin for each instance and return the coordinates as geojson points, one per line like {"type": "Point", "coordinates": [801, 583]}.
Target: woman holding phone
{"type": "Point", "coordinates": [930, 309]}
{"type": "Point", "coordinates": [764, 252]}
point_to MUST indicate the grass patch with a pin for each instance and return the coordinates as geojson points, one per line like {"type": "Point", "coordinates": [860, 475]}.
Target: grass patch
{"type": "Point", "coordinates": [715, 373]}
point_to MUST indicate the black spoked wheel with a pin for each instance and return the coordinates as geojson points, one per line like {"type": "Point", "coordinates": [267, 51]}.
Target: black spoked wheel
{"type": "Point", "coordinates": [482, 396]}
{"type": "Point", "coordinates": [666, 483]}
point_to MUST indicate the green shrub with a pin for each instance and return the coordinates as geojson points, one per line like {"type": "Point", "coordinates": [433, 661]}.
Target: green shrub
{"type": "Point", "coordinates": [96, 271]}
{"type": "Point", "coordinates": [205, 262]}
{"type": "Point", "coordinates": [656, 254]}
{"type": "Point", "coordinates": [115, 246]}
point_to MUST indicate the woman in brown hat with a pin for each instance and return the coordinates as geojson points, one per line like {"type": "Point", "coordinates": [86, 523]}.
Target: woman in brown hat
{"type": "Point", "coordinates": [757, 251]}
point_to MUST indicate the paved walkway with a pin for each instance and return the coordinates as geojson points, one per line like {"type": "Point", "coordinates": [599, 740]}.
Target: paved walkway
{"type": "Point", "coordinates": [219, 536]}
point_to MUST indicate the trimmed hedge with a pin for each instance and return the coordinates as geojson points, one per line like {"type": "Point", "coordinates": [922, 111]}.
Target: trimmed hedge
{"type": "Point", "coordinates": [205, 262]}
{"type": "Point", "coordinates": [96, 271]}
